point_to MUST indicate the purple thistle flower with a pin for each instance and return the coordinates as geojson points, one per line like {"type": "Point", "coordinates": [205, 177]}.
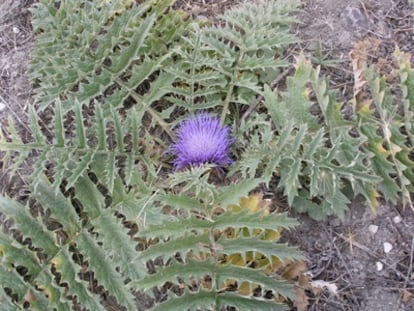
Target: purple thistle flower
{"type": "Point", "coordinates": [201, 139]}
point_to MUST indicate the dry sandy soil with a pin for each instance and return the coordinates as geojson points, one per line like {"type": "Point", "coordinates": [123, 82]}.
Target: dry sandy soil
{"type": "Point", "coordinates": [352, 255]}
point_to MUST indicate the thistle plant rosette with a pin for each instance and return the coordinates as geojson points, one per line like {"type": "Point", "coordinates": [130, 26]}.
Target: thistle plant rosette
{"type": "Point", "coordinates": [202, 139]}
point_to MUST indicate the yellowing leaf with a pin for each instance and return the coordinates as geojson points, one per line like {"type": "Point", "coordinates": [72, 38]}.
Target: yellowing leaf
{"type": "Point", "coordinates": [294, 269]}
{"type": "Point", "coordinates": [254, 203]}
{"type": "Point", "coordinates": [245, 288]}
{"type": "Point", "coordinates": [271, 235]}
{"type": "Point", "coordinates": [381, 150]}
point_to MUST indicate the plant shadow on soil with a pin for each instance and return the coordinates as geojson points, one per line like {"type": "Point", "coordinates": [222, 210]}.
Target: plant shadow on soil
{"type": "Point", "coordinates": [352, 254]}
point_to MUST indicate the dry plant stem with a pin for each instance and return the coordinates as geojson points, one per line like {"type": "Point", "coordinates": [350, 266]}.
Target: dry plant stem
{"type": "Point", "coordinates": [410, 268]}
{"type": "Point", "coordinates": [260, 98]}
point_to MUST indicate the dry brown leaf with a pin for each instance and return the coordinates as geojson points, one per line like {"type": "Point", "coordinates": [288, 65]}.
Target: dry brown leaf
{"type": "Point", "coordinates": [406, 296]}
{"type": "Point", "coordinates": [358, 65]}
{"type": "Point", "coordinates": [301, 302]}
{"type": "Point", "coordinates": [359, 57]}
{"type": "Point", "coordinates": [294, 269]}
{"type": "Point", "coordinates": [320, 285]}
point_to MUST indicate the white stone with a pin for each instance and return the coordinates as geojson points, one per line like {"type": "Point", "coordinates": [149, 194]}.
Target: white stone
{"type": "Point", "coordinates": [373, 229]}
{"type": "Point", "coordinates": [397, 219]}
{"type": "Point", "coordinates": [387, 247]}
{"type": "Point", "coordinates": [379, 265]}
{"type": "Point", "coordinates": [16, 30]}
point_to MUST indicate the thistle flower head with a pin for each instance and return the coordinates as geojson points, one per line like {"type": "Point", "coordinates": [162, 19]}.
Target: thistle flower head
{"type": "Point", "coordinates": [201, 139]}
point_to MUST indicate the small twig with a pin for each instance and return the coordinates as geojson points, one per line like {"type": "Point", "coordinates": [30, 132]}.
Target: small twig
{"type": "Point", "coordinates": [410, 268]}
{"type": "Point", "coordinates": [261, 97]}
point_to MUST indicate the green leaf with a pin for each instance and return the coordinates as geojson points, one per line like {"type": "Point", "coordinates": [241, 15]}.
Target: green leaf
{"type": "Point", "coordinates": [182, 202]}
{"type": "Point", "coordinates": [104, 270]}
{"type": "Point", "coordinates": [59, 127]}
{"type": "Point", "coordinates": [69, 271]}
{"type": "Point", "coordinates": [80, 128]}
{"type": "Point", "coordinates": [291, 170]}
{"type": "Point", "coordinates": [203, 300]}
{"type": "Point", "coordinates": [241, 245]}
{"type": "Point", "coordinates": [123, 60]}
{"type": "Point", "coordinates": [175, 228]}
{"type": "Point", "coordinates": [229, 195]}
{"type": "Point", "coordinates": [14, 254]}
{"type": "Point", "coordinates": [248, 302]}
{"type": "Point", "coordinates": [59, 206]}
{"type": "Point", "coordinates": [118, 245]}
{"type": "Point", "coordinates": [245, 219]}
{"type": "Point", "coordinates": [55, 293]}
{"type": "Point", "coordinates": [185, 244]}
{"type": "Point", "coordinates": [34, 126]}
{"type": "Point", "coordinates": [29, 226]}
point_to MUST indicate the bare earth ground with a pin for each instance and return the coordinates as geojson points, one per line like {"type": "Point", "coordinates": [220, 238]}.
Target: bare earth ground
{"type": "Point", "coordinates": [354, 254]}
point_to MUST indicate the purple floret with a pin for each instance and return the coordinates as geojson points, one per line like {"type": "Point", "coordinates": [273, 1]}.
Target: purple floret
{"type": "Point", "coordinates": [201, 139]}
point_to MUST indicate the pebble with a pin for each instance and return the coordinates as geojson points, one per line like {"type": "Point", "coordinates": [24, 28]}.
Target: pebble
{"type": "Point", "coordinates": [373, 229]}
{"type": "Point", "coordinates": [397, 219]}
{"type": "Point", "coordinates": [379, 265]}
{"type": "Point", "coordinates": [387, 247]}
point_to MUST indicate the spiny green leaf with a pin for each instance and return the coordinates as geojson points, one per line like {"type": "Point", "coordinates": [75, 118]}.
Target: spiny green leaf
{"type": "Point", "coordinates": [185, 244]}
{"type": "Point", "coordinates": [203, 300]}
{"type": "Point", "coordinates": [241, 245]}
{"type": "Point", "coordinates": [253, 276]}
{"type": "Point", "coordinates": [104, 270]}
{"type": "Point", "coordinates": [55, 293]}
{"type": "Point", "coordinates": [60, 207]}
{"type": "Point", "coordinates": [118, 245]}
{"type": "Point", "coordinates": [121, 61]}
{"type": "Point", "coordinates": [176, 228]}
{"type": "Point", "coordinates": [229, 195]}
{"type": "Point", "coordinates": [183, 202]}
{"type": "Point", "coordinates": [14, 254]}
{"type": "Point", "coordinates": [248, 302]}
{"type": "Point", "coordinates": [59, 127]}
{"type": "Point", "coordinates": [80, 128]}
{"type": "Point", "coordinates": [28, 225]}
{"type": "Point", "coordinates": [245, 219]}
{"type": "Point", "coordinates": [69, 271]}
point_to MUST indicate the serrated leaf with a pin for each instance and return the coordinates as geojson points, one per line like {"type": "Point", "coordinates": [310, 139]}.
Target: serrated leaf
{"type": "Point", "coordinates": [59, 127]}
{"type": "Point", "coordinates": [176, 228]}
{"type": "Point", "coordinates": [14, 254]}
{"type": "Point", "coordinates": [241, 245]}
{"type": "Point", "coordinates": [231, 194]}
{"type": "Point", "coordinates": [117, 244]}
{"type": "Point", "coordinates": [28, 225]}
{"type": "Point", "coordinates": [248, 302]}
{"type": "Point", "coordinates": [34, 126]}
{"type": "Point", "coordinates": [185, 244]}
{"type": "Point", "coordinates": [69, 271]}
{"type": "Point", "coordinates": [259, 220]}
{"type": "Point", "coordinates": [291, 171]}
{"type": "Point", "coordinates": [104, 270]}
{"type": "Point", "coordinates": [183, 202]}
{"type": "Point", "coordinates": [54, 293]}
{"type": "Point", "coordinates": [60, 207]}
{"type": "Point", "coordinates": [189, 301]}
{"type": "Point", "coordinates": [80, 128]}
